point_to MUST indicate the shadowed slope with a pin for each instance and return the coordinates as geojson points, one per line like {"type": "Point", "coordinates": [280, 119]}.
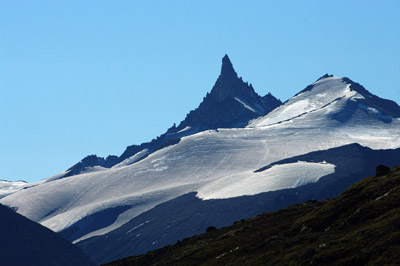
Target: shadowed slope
{"type": "Point", "coordinates": [24, 242]}
{"type": "Point", "coordinates": [360, 227]}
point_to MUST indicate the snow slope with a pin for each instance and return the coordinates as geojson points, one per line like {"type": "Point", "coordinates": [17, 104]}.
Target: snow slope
{"type": "Point", "coordinates": [328, 115]}
{"type": "Point", "coordinates": [327, 91]}
{"type": "Point", "coordinates": [277, 177]}
{"type": "Point", "coordinates": [10, 187]}
{"type": "Point", "coordinates": [188, 215]}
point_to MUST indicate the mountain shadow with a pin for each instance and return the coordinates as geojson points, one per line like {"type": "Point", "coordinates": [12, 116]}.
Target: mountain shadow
{"type": "Point", "coordinates": [24, 242]}
{"type": "Point", "coordinates": [360, 227]}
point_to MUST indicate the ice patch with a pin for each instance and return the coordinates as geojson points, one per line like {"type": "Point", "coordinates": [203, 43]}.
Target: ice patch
{"type": "Point", "coordinates": [245, 105]}
{"type": "Point", "coordinates": [185, 129]}
{"type": "Point", "coordinates": [136, 227]}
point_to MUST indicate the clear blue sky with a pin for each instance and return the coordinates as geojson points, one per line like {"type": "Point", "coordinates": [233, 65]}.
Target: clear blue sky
{"type": "Point", "coordinates": [92, 77]}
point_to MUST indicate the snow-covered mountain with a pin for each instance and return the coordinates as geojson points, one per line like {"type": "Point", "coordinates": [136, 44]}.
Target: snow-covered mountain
{"type": "Point", "coordinates": [24, 242]}
{"type": "Point", "coordinates": [9, 187]}
{"type": "Point", "coordinates": [218, 163]}
{"type": "Point", "coordinates": [329, 98]}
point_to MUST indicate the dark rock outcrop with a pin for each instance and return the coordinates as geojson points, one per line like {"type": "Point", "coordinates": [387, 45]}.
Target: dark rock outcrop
{"type": "Point", "coordinates": [382, 170]}
{"type": "Point", "coordinates": [388, 108]}
{"type": "Point", "coordinates": [91, 161]}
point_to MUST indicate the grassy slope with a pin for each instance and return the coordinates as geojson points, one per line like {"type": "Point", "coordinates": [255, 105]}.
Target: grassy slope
{"type": "Point", "coordinates": [360, 227]}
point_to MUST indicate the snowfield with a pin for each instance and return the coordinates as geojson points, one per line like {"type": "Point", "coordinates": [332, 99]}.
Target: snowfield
{"type": "Point", "coordinates": [7, 187]}
{"type": "Point", "coordinates": [216, 163]}
{"type": "Point", "coordinates": [277, 177]}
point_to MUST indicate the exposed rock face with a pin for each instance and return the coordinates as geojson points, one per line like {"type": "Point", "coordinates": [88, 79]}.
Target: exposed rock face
{"type": "Point", "coordinates": [228, 84]}
{"type": "Point", "coordinates": [388, 108]}
{"type": "Point", "coordinates": [231, 103]}
{"type": "Point", "coordinates": [91, 161]}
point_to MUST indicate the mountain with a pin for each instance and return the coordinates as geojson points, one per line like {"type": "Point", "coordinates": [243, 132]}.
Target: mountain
{"type": "Point", "coordinates": [24, 242]}
{"type": "Point", "coordinates": [188, 215]}
{"type": "Point", "coordinates": [360, 227]}
{"type": "Point", "coordinates": [9, 187]}
{"type": "Point", "coordinates": [335, 98]}
{"type": "Point", "coordinates": [222, 166]}
{"type": "Point", "coordinates": [231, 103]}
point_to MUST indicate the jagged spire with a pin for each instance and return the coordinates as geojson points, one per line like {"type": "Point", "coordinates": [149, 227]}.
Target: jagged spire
{"type": "Point", "coordinates": [228, 83]}
{"type": "Point", "coordinates": [227, 68]}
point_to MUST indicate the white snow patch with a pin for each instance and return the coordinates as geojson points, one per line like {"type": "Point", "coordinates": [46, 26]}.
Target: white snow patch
{"type": "Point", "coordinates": [368, 108]}
{"type": "Point", "coordinates": [185, 129]}
{"type": "Point", "coordinates": [275, 178]}
{"type": "Point", "coordinates": [136, 227]}
{"type": "Point", "coordinates": [245, 105]}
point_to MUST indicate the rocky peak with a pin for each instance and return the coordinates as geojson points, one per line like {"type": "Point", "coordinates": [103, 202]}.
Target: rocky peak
{"type": "Point", "coordinates": [228, 84]}
{"type": "Point", "coordinates": [227, 70]}
{"type": "Point", "coordinates": [271, 100]}
{"type": "Point", "coordinates": [324, 77]}
{"type": "Point", "coordinates": [231, 103]}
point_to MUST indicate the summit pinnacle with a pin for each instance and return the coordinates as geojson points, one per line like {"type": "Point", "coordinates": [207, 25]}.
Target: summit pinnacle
{"type": "Point", "coordinates": [227, 70]}
{"type": "Point", "coordinates": [231, 103]}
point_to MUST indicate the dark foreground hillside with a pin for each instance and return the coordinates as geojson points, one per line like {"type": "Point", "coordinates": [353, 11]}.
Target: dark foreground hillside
{"type": "Point", "coordinates": [26, 243]}
{"type": "Point", "coordinates": [360, 227]}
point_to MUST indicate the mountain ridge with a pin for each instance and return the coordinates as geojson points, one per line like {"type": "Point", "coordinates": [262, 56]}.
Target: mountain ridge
{"type": "Point", "coordinates": [231, 103]}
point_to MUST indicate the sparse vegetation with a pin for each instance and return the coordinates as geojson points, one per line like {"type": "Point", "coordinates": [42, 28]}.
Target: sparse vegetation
{"type": "Point", "coordinates": [360, 227]}
{"type": "Point", "coordinates": [211, 228]}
